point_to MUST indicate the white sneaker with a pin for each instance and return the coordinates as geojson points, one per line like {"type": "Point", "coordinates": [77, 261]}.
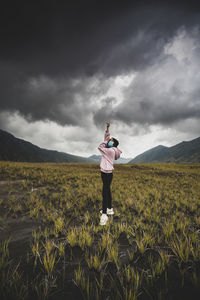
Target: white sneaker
{"type": "Point", "coordinates": [104, 219]}
{"type": "Point", "coordinates": [109, 211]}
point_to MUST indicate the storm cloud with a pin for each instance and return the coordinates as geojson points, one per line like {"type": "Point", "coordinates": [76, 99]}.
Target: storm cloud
{"type": "Point", "coordinates": [79, 64]}
{"type": "Point", "coordinates": [166, 92]}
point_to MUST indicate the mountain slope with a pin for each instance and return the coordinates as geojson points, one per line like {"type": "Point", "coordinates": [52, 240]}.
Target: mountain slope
{"type": "Point", "coordinates": [14, 149]}
{"type": "Point", "coordinates": [184, 152]}
{"type": "Point", "coordinates": [120, 160]}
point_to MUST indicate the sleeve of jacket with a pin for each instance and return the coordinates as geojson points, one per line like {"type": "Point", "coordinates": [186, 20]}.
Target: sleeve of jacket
{"type": "Point", "coordinates": [106, 135]}
{"type": "Point", "coordinates": [102, 147]}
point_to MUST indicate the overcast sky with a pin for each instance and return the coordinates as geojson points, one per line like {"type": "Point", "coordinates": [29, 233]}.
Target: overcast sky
{"type": "Point", "coordinates": [67, 67]}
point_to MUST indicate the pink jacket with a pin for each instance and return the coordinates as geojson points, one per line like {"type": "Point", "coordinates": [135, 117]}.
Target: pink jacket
{"type": "Point", "coordinates": [108, 155]}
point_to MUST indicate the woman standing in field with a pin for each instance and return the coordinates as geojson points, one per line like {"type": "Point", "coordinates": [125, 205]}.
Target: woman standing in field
{"type": "Point", "coordinates": [109, 152]}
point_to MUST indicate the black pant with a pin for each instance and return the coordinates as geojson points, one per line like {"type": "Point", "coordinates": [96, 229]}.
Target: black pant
{"type": "Point", "coordinates": [107, 199]}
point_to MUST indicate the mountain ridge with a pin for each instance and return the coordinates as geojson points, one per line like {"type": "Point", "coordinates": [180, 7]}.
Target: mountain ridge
{"type": "Point", "coordinates": [183, 152]}
{"type": "Point", "coordinates": [16, 149]}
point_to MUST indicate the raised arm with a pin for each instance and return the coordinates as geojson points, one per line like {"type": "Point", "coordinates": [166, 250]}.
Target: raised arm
{"type": "Point", "coordinates": [102, 147]}
{"type": "Point", "coordinates": [107, 133]}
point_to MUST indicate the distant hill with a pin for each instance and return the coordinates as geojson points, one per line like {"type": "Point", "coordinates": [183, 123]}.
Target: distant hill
{"type": "Point", "coordinates": [121, 160]}
{"type": "Point", "coordinates": [97, 158]}
{"type": "Point", "coordinates": [14, 149]}
{"type": "Point", "coordinates": [184, 152]}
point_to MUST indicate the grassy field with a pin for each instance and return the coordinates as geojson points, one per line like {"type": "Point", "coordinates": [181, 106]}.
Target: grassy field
{"type": "Point", "coordinates": [52, 246]}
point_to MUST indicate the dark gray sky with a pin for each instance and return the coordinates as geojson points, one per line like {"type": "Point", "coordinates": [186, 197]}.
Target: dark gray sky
{"type": "Point", "coordinates": [67, 67]}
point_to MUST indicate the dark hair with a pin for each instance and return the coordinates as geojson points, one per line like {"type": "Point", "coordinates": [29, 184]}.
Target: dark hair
{"type": "Point", "coordinates": [116, 143]}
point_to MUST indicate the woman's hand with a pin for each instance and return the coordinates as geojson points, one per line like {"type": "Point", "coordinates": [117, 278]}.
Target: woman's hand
{"type": "Point", "coordinates": [109, 139]}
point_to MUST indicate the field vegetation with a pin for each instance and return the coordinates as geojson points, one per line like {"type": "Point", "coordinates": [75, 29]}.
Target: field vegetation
{"type": "Point", "coordinates": [52, 246]}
